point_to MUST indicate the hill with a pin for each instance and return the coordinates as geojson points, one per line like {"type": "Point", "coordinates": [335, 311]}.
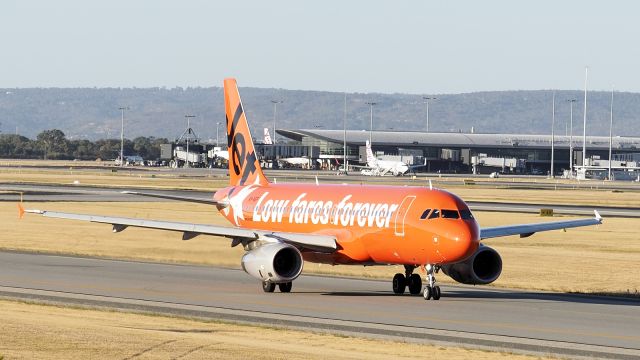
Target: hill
{"type": "Point", "coordinates": [92, 113]}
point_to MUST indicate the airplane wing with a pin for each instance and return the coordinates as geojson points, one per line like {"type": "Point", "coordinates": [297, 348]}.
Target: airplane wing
{"type": "Point", "coordinates": [526, 230]}
{"type": "Point", "coordinates": [314, 242]}
{"type": "Point", "coordinates": [360, 166]}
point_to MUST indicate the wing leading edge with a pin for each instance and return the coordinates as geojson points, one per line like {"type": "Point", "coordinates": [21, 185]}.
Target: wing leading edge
{"type": "Point", "coordinates": [526, 230]}
{"type": "Point", "coordinates": [313, 242]}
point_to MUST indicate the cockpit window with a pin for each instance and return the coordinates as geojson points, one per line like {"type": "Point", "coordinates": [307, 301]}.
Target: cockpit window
{"type": "Point", "coordinates": [434, 214]}
{"type": "Point", "coordinates": [466, 214]}
{"type": "Point", "coordinates": [450, 214]}
{"type": "Point", "coordinates": [425, 214]}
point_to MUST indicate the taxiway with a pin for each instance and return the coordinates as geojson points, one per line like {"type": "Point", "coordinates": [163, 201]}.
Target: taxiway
{"type": "Point", "coordinates": [537, 322]}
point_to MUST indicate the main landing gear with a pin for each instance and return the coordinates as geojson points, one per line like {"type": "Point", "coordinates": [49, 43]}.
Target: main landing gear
{"type": "Point", "coordinates": [431, 290]}
{"type": "Point", "coordinates": [414, 282]}
{"type": "Point", "coordinates": [408, 279]}
{"type": "Point", "coordinates": [269, 287]}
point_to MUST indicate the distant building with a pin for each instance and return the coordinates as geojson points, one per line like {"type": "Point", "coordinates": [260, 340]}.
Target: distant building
{"type": "Point", "coordinates": [454, 152]}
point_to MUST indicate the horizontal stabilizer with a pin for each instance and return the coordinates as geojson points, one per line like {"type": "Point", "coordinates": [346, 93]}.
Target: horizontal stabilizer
{"type": "Point", "coordinates": [179, 198]}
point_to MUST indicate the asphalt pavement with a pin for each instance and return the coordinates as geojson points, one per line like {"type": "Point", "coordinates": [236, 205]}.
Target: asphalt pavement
{"type": "Point", "coordinates": [538, 322]}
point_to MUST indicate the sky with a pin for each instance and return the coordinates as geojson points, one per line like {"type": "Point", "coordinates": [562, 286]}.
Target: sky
{"type": "Point", "coordinates": [402, 46]}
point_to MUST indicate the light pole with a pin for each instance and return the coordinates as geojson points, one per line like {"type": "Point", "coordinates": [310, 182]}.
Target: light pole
{"type": "Point", "coordinates": [189, 132]}
{"type": "Point", "coordinates": [584, 125]}
{"type": "Point", "coordinates": [344, 129]}
{"type": "Point", "coordinates": [217, 128]}
{"type": "Point", "coordinates": [122, 109]}
{"type": "Point", "coordinates": [611, 134]}
{"type": "Point", "coordinates": [553, 132]}
{"type": "Point", "coordinates": [275, 112]}
{"type": "Point", "coordinates": [426, 101]}
{"type": "Point", "coordinates": [371, 104]}
{"type": "Point", "coordinates": [571, 101]}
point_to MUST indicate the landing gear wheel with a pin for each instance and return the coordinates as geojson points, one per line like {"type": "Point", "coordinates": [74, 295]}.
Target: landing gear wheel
{"type": "Point", "coordinates": [285, 287]}
{"type": "Point", "coordinates": [436, 293]}
{"type": "Point", "coordinates": [268, 286]}
{"type": "Point", "coordinates": [415, 284]}
{"type": "Point", "coordinates": [427, 293]}
{"type": "Point", "coordinates": [431, 290]}
{"type": "Point", "coordinates": [399, 283]}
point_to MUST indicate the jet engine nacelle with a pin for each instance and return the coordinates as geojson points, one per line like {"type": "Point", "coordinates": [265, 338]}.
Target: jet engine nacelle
{"type": "Point", "coordinates": [274, 262]}
{"type": "Point", "coordinates": [483, 267]}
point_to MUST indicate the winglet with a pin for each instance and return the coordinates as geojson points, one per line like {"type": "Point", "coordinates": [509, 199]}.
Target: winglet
{"type": "Point", "coordinates": [20, 211]}
{"type": "Point", "coordinates": [20, 208]}
{"type": "Point", "coordinates": [597, 214]}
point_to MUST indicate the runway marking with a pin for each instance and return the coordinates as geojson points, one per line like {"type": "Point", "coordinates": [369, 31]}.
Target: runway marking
{"type": "Point", "coordinates": [149, 349]}
{"type": "Point", "coordinates": [193, 350]}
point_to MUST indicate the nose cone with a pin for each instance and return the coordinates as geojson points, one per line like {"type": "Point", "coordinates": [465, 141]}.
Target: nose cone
{"type": "Point", "coordinates": [462, 240]}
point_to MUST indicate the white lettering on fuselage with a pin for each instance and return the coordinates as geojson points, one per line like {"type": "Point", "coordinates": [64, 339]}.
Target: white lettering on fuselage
{"type": "Point", "coordinates": [303, 211]}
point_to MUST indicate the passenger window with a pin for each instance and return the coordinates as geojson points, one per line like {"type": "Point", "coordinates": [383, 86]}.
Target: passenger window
{"type": "Point", "coordinates": [450, 214]}
{"type": "Point", "coordinates": [425, 214]}
{"type": "Point", "coordinates": [434, 214]}
{"type": "Point", "coordinates": [466, 214]}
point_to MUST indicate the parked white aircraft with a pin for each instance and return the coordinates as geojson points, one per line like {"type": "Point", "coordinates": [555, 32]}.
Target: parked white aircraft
{"type": "Point", "coordinates": [377, 167]}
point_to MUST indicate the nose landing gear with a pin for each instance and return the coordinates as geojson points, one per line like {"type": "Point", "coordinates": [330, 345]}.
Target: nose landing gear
{"type": "Point", "coordinates": [408, 279]}
{"type": "Point", "coordinates": [431, 290]}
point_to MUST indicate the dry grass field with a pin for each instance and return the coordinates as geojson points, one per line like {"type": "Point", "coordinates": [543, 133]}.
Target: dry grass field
{"type": "Point", "coordinates": [121, 178]}
{"type": "Point", "coordinates": [55, 163]}
{"type": "Point", "coordinates": [599, 259]}
{"type": "Point", "coordinates": [31, 331]}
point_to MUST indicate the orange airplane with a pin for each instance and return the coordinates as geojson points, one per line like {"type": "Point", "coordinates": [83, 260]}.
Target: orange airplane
{"type": "Point", "coordinates": [281, 226]}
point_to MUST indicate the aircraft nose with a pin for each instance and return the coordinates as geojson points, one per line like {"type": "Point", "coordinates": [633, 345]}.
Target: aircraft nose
{"type": "Point", "coordinates": [464, 240]}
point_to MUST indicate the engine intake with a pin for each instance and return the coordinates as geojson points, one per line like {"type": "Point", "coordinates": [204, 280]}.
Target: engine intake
{"type": "Point", "coordinates": [481, 268]}
{"type": "Point", "coordinates": [274, 262]}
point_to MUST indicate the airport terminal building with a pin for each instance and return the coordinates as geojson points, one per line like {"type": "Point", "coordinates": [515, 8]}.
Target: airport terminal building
{"type": "Point", "coordinates": [459, 152]}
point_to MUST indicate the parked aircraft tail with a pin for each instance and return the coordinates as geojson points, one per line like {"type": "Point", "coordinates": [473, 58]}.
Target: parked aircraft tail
{"type": "Point", "coordinates": [371, 160]}
{"type": "Point", "coordinates": [267, 137]}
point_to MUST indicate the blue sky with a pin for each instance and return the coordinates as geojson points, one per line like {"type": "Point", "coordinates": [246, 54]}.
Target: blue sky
{"type": "Point", "coordinates": [420, 47]}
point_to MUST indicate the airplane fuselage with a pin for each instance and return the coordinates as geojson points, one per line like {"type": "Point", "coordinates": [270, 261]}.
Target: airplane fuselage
{"type": "Point", "coordinates": [394, 167]}
{"type": "Point", "coordinates": [372, 224]}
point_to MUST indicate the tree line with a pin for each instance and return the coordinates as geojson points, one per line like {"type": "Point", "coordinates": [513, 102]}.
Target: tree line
{"type": "Point", "coordinates": [53, 145]}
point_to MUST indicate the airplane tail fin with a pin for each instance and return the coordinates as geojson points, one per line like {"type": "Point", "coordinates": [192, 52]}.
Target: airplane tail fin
{"type": "Point", "coordinates": [267, 137]}
{"type": "Point", "coordinates": [371, 160]}
{"type": "Point", "coordinates": [244, 167]}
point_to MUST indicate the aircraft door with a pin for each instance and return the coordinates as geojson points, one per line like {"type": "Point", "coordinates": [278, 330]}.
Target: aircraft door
{"type": "Point", "coordinates": [401, 214]}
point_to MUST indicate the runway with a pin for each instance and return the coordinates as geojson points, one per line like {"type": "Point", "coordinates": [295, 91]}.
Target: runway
{"type": "Point", "coordinates": [85, 193]}
{"type": "Point", "coordinates": [536, 322]}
